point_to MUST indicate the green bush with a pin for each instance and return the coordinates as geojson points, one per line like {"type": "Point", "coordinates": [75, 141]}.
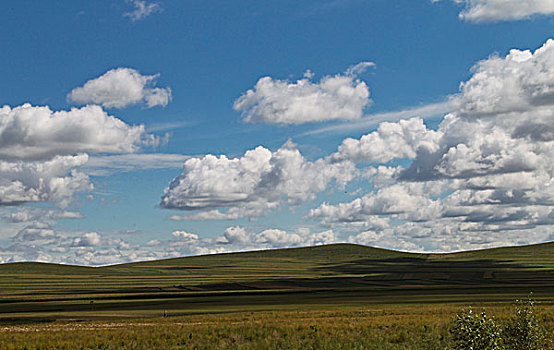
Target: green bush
{"type": "Point", "coordinates": [473, 331]}
{"type": "Point", "coordinates": [524, 331]}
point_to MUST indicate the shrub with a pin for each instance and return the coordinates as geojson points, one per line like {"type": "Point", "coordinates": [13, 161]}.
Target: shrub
{"type": "Point", "coordinates": [473, 331]}
{"type": "Point", "coordinates": [523, 331]}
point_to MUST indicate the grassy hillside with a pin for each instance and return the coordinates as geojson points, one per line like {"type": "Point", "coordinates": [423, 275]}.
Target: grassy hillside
{"type": "Point", "coordinates": [343, 274]}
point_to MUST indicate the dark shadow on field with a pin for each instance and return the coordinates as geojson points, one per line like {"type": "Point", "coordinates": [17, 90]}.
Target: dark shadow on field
{"type": "Point", "coordinates": [409, 268]}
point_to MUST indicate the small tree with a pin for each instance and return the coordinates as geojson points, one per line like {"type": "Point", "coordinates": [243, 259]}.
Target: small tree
{"type": "Point", "coordinates": [523, 331]}
{"type": "Point", "coordinates": [472, 331]}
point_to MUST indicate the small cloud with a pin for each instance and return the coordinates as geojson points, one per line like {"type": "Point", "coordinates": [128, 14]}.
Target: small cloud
{"type": "Point", "coordinates": [87, 240]}
{"type": "Point", "coordinates": [120, 88]}
{"type": "Point", "coordinates": [486, 11]}
{"type": "Point", "coordinates": [359, 68]}
{"type": "Point", "coordinates": [142, 9]}
{"type": "Point", "coordinates": [184, 236]}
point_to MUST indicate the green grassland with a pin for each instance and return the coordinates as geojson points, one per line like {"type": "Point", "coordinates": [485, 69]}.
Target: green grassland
{"type": "Point", "coordinates": [346, 294]}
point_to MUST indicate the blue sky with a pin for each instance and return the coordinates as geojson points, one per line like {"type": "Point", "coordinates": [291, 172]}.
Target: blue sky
{"type": "Point", "coordinates": [139, 129]}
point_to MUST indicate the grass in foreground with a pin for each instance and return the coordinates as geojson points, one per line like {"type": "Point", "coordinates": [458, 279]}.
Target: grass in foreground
{"type": "Point", "coordinates": [390, 327]}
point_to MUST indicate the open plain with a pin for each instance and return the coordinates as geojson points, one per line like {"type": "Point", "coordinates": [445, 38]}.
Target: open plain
{"type": "Point", "coordinates": [325, 297]}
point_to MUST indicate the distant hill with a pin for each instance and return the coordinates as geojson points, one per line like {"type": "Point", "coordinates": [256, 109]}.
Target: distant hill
{"type": "Point", "coordinates": [531, 255]}
{"type": "Point", "coordinates": [336, 273]}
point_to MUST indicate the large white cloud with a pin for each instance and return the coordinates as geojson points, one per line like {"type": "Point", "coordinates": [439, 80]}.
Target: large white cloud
{"type": "Point", "coordinates": [503, 123]}
{"type": "Point", "coordinates": [258, 181]}
{"type": "Point", "coordinates": [484, 177]}
{"type": "Point", "coordinates": [521, 81]}
{"type": "Point", "coordinates": [503, 10]}
{"type": "Point", "coordinates": [402, 201]}
{"type": "Point", "coordinates": [119, 88]}
{"type": "Point", "coordinates": [390, 141]}
{"type": "Point", "coordinates": [339, 97]}
{"type": "Point", "coordinates": [42, 181]}
{"type": "Point", "coordinates": [32, 132]}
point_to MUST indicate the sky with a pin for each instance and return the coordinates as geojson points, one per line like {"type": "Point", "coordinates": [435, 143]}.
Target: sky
{"type": "Point", "coordinates": [142, 129]}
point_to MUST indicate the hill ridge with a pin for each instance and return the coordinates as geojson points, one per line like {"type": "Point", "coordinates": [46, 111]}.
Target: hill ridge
{"type": "Point", "coordinates": [291, 251]}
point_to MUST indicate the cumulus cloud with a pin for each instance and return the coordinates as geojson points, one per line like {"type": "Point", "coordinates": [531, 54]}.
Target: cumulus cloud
{"type": "Point", "coordinates": [142, 9]}
{"type": "Point", "coordinates": [481, 11]}
{"type": "Point", "coordinates": [485, 177]}
{"type": "Point", "coordinates": [31, 132]}
{"type": "Point", "coordinates": [488, 133]}
{"type": "Point", "coordinates": [339, 97]}
{"type": "Point", "coordinates": [391, 141]}
{"type": "Point", "coordinates": [236, 235]}
{"type": "Point", "coordinates": [520, 81]}
{"type": "Point", "coordinates": [43, 153]}
{"type": "Point", "coordinates": [258, 181]}
{"type": "Point", "coordinates": [185, 236]}
{"type": "Point", "coordinates": [88, 239]}
{"type": "Point", "coordinates": [401, 201]}
{"type": "Point", "coordinates": [242, 238]}
{"type": "Point", "coordinates": [42, 181]}
{"type": "Point", "coordinates": [119, 88]}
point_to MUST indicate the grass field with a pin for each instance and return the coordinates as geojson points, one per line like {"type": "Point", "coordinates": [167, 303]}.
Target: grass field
{"type": "Point", "coordinates": [328, 295]}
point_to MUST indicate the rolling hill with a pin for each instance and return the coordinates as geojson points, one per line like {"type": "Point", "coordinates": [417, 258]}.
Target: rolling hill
{"type": "Point", "coordinates": [323, 275]}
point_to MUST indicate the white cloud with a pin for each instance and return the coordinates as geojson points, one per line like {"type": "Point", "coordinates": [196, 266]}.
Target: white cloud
{"type": "Point", "coordinates": [68, 215]}
{"type": "Point", "coordinates": [242, 239]}
{"type": "Point", "coordinates": [484, 178]}
{"type": "Point", "coordinates": [359, 68]}
{"type": "Point", "coordinates": [119, 88]}
{"type": "Point", "coordinates": [258, 181]}
{"type": "Point", "coordinates": [184, 236]}
{"type": "Point", "coordinates": [42, 153]}
{"type": "Point", "coordinates": [236, 235]}
{"type": "Point", "coordinates": [339, 97]}
{"type": "Point", "coordinates": [503, 123]}
{"type": "Point", "coordinates": [88, 239]}
{"type": "Point", "coordinates": [390, 141]}
{"type": "Point", "coordinates": [29, 132]}
{"type": "Point", "coordinates": [520, 81]}
{"type": "Point", "coordinates": [142, 9]}
{"type": "Point", "coordinates": [42, 181]}
{"type": "Point", "coordinates": [481, 11]}
{"type": "Point", "coordinates": [401, 201]}
{"type": "Point", "coordinates": [275, 237]}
